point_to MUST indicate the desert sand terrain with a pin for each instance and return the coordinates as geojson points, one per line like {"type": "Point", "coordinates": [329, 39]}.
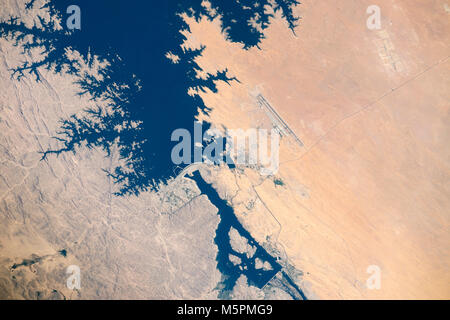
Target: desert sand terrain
{"type": "Point", "coordinates": [125, 248]}
{"type": "Point", "coordinates": [62, 211]}
{"type": "Point", "coordinates": [369, 186]}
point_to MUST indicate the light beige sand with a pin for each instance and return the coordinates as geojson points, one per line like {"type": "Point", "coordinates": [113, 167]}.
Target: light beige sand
{"type": "Point", "coordinates": [371, 186]}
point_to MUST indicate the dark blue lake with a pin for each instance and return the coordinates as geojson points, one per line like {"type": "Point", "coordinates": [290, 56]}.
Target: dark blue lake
{"type": "Point", "coordinates": [146, 92]}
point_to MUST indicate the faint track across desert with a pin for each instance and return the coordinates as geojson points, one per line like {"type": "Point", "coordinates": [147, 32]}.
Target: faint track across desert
{"type": "Point", "coordinates": [386, 94]}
